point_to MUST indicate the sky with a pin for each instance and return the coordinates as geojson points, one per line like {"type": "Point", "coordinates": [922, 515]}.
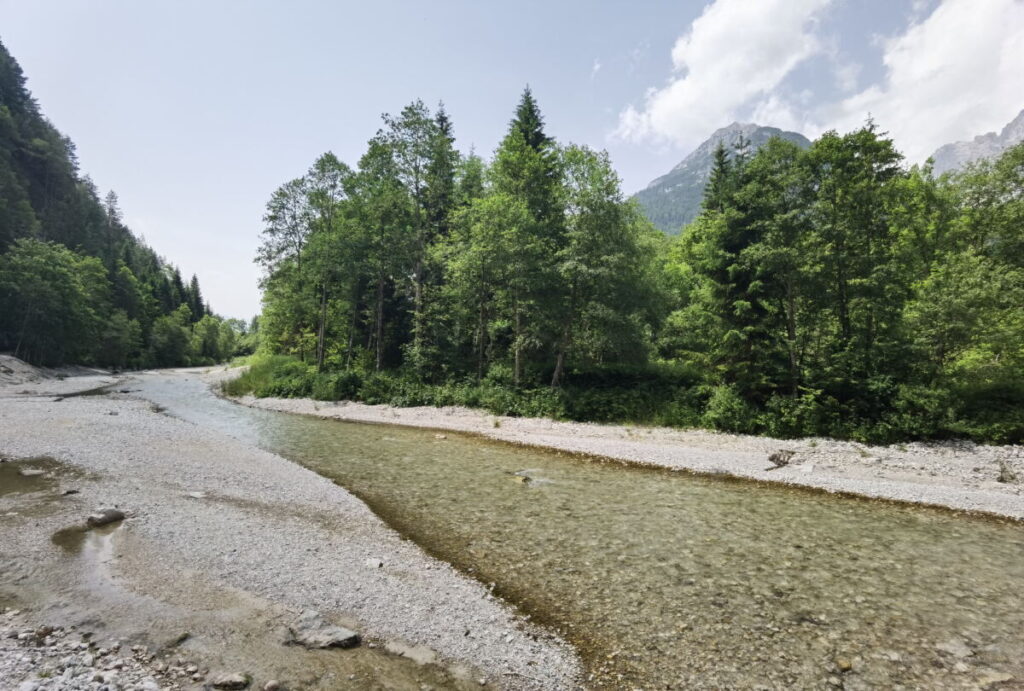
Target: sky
{"type": "Point", "coordinates": [195, 111]}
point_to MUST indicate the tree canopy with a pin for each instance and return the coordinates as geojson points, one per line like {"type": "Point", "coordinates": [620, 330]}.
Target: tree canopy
{"type": "Point", "coordinates": [828, 290]}
{"type": "Point", "coordinates": [75, 284]}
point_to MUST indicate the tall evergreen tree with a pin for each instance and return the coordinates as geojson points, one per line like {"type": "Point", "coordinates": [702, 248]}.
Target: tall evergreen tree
{"type": "Point", "coordinates": [195, 299]}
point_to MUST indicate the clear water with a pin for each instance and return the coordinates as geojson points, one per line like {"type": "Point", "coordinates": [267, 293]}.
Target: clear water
{"type": "Point", "coordinates": [665, 580]}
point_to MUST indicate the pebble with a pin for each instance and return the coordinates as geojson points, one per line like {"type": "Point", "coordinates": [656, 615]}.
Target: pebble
{"type": "Point", "coordinates": [230, 681]}
{"type": "Point", "coordinates": [105, 516]}
{"type": "Point", "coordinates": [990, 679]}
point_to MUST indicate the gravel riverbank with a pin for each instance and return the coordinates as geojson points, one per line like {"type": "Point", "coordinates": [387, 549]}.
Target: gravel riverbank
{"type": "Point", "coordinates": [957, 475]}
{"type": "Point", "coordinates": [219, 534]}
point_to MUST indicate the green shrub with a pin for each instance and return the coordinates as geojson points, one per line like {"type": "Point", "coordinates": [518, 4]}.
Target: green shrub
{"type": "Point", "coordinates": [727, 411]}
{"type": "Point", "coordinates": [337, 386]}
{"type": "Point", "coordinates": [990, 411]}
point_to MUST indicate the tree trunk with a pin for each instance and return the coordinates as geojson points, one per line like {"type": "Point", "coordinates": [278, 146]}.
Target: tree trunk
{"type": "Point", "coordinates": [481, 336]}
{"type": "Point", "coordinates": [380, 324]}
{"type": "Point", "coordinates": [791, 337]}
{"type": "Point", "coordinates": [565, 340]}
{"type": "Point", "coordinates": [351, 334]}
{"type": "Point", "coordinates": [518, 345]}
{"type": "Point", "coordinates": [21, 333]}
{"type": "Point", "coordinates": [559, 364]}
{"type": "Point", "coordinates": [322, 329]}
{"type": "Point", "coordinates": [418, 306]}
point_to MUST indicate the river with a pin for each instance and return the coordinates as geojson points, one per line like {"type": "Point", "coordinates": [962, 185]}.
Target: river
{"type": "Point", "coordinates": [668, 580]}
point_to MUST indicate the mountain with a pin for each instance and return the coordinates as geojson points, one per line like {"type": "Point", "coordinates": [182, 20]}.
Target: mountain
{"type": "Point", "coordinates": [673, 200]}
{"type": "Point", "coordinates": [957, 154]}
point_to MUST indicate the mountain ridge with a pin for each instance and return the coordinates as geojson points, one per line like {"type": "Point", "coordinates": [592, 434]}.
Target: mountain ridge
{"type": "Point", "coordinates": [984, 146]}
{"type": "Point", "coordinates": [672, 200]}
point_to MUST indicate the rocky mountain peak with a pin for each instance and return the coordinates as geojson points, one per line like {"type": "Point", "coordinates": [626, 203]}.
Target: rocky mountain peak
{"type": "Point", "coordinates": [673, 200]}
{"type": "Point", "coordinates": [990, 145]}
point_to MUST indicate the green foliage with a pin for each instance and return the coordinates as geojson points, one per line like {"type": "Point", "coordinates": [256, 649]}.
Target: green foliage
{"type": "Point", "coordinates": [821, 291]}
{"type": "Point", "coordinates": [727, 410]}
{"type": "Point", "coordinates": [49, 304]}
{"type": "Point", "coordinates": [75, 284]}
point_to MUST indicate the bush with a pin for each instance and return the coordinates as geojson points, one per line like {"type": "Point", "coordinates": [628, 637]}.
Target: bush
{"type": "Point", "coordinates": [727, 411]}
{"type": "Point", "coordinates": [376, 388]}
{"type": "Point", "coordinates": [986, 411]}
{"type": "Point", "coordinates": [274, 375]}
{"type": "Point", "coordinates": [337, 386]}
{"type": "Point", "coordinates": [990, 411]}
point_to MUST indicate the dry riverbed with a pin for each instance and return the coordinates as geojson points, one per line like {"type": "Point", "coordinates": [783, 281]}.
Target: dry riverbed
{"type": "Point", "coordinates": [227, 553]}
{"type": "Point", "coordinates": [958, 475]}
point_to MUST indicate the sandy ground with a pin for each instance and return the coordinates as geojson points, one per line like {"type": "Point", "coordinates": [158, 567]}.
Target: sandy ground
{"type": "Point", "coordinates": [958, 475]}
{"type": "Point", "coordinates": [231, 544]}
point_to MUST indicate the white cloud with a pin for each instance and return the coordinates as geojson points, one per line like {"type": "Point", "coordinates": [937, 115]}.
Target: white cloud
{"type": "Point", "coordinates": [734, 55]}
{"type": "Point", "coordinates": [595, 69]}
{"type": "Point", "coordinates": [955, 71]}
{"type": "Point", "coordinates": [846, 74]}
{"type": "Point", "coordinates": [954, 74]}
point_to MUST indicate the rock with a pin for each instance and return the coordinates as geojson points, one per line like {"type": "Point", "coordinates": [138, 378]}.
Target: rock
{"type": "Point", "coordinates": [990, 679]}
{"type": "Point", "coordinates": [104, 517]}
{"type": "Point", "coordinates": [328, 636]}
{"type": "Point", "coordinates": [311, 631]}
{"type": "Point", "coordinates": [807, 468]}
{"type": "Point", "coordinates": [843, 665]}
{"type": "Point", "coordinates": [68, 491]}
{"type": "Point", "coordinates": [374, 563]}
{"type": "Point", "coordinates": [31, 472]}
{"type": "Point", "coordinates": [149, 684]}
{"type": "Point", "coordinates": [230, 681]}
{"type": "Point", "coordinates": [1006, 473]}
{"type": "Point", "coordinates": [272, 685]}
{"type": "Point", "coordinates": [440, 436]}
{"type": "Point", "coordinates": [179, 639]}
{"type": "Point", "coordinates": [197, 495]}
{"type": "Point", "coordinates": [956, 647]}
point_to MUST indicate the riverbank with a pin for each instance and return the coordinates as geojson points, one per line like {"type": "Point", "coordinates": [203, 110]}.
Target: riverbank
{"type": "Point", "coordinates": [957, 475]}
{"type": "Point", "coordinates": [224, 549]}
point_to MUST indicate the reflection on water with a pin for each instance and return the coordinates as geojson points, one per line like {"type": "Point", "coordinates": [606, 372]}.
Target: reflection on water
{"type": "Point", "coordinates": [671, 581]}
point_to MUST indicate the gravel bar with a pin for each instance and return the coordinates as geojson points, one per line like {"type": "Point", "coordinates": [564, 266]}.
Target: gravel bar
{"type": "Point", "coordinates": [256, 522]}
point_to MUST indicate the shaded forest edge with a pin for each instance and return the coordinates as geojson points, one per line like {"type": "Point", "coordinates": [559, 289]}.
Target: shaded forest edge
{"type": "Point", "coordinates": [76, 286]}
{"type": "Point", "coordinates": [826, 291]}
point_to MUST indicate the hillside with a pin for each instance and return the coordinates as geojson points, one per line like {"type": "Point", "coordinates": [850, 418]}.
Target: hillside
{"type": "Point", "coordinates": [674, 199]}
{"type": "Point", "coordinates": [76, 286]}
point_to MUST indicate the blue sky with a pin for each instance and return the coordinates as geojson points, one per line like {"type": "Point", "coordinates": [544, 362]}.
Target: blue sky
{"type": "Point", "coordinates": [195, 111]}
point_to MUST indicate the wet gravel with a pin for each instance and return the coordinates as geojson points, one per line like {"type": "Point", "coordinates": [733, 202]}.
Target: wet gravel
{"type": "Point", "coordinates": [255, 522]}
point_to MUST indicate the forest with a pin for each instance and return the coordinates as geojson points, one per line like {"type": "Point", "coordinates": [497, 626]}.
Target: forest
{"type": "Point", "coordinates": [76, 286]}
{"type": "Point", "coordinates": [831, 290]}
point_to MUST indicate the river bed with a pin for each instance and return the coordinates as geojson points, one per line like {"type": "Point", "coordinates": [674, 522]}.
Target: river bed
{"type": "Point", "coordinates": [667, 580]}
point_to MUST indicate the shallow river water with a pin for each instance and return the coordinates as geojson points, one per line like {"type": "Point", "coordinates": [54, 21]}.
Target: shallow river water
{"type": "Point", "coordinates": [667, 580]}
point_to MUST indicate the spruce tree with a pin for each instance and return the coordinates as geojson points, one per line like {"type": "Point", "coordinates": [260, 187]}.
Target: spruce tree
{"type": "Point", "coordinates": [195, 299]}
{"type": "Point", "coordinates": [716, 192]}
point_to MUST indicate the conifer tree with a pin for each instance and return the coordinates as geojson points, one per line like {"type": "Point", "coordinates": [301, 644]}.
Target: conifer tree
{"type": "Point", "coordinates": [195, 299]}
